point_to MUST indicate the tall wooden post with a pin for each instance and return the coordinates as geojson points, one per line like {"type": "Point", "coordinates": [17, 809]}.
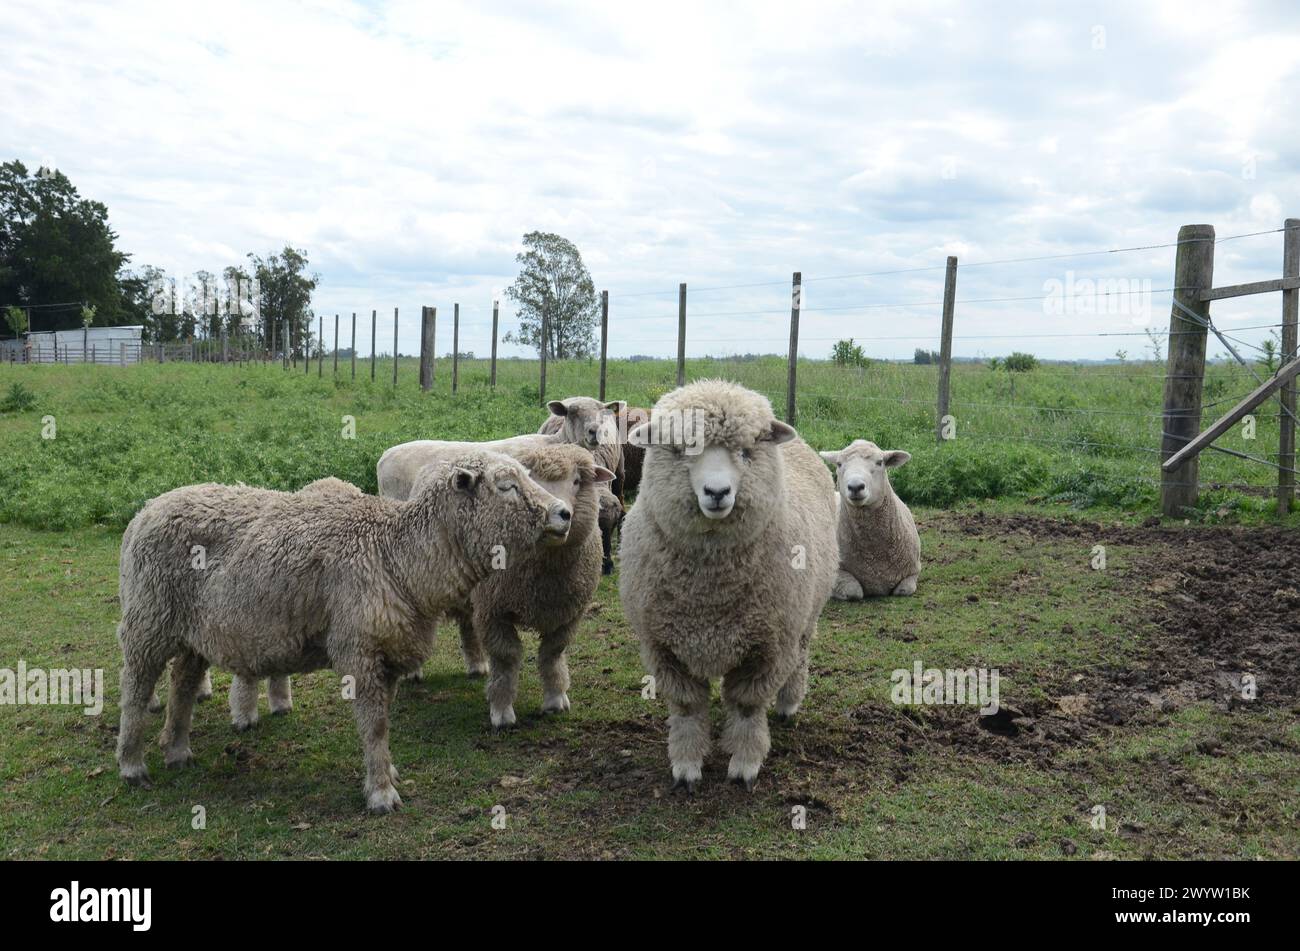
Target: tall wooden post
{"type": "Point", "coordinates": [394, 346]}
{"type": "Point", "coordinates": [286, 342]}
{"type": "Point", "coordinates": [274, 342]}
{"type": "Point", "coordinates": [336, 345]}
{"type": "Point", "coordinates": [455, 346]}
{"type": "Point", "coordinates": [493, 378]}
{"type": "Point", "coordinates": [426, 348]}
{"type": "Point", "coordinates": [1290, 302]}
{"type": "Point", "coordinates": [796, 302]}
{"type": "Point", "coordinates": [604, 338]}
{"type": "Point", "coordinates": [354, 345]}
{"type": "Point", "coordinates": [545, 331]}
{"type": "Point", "coordinates": [1185, 370]}
{"type": "Point", "coordinates": [320, 346]}
{"type": "Point", "coordinates": [945, 346]}
{"type": "Point", "coordinates": [374, 323]}
{"type": "Point", "coordinates": [681, 334]}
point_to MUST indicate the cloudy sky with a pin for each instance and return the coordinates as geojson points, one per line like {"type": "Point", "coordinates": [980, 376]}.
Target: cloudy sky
{"type": "Point", "coordinates": [408, 146]}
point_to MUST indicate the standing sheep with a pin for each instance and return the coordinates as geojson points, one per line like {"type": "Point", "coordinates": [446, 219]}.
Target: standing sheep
{"type": "Point", "coordinates": [545, 589]}
{"type": "Point", "coordinates": [268, 583]}
{"type": "Point", "coordinates": [728, 558]}
{"type": "Point", "coordinates": [633, 455]}
{"type": "Point", "coordinates": [880, 550]}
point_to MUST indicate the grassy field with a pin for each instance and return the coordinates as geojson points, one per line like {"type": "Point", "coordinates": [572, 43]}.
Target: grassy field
{"type": "Point", "coordinates": [1114, 697]}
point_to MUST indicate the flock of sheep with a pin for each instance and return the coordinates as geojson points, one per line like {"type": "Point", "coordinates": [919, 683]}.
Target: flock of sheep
{"type": "Point", "coordinates": [737, 539]}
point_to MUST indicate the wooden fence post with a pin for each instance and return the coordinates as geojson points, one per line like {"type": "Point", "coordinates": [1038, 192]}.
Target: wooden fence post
{"type": "Point", "coordinates": [1185, 369]}
{"type": "Point", "coordinates": [394, 346]}
{"type": "Point", "coordinates": [426, 349]}
{"type": "Point", "coordinates": [681, 334]}
{"type": "Point", "coordinates": [336, 345]}
{"type": "Point", "coordinates": [284, 342]}
{"type": "Point", "coordinates": [796, 302]}
{"type": "Point", "coordinates": [320, 347]}
{"type": "Point", "coordinates": [455, 346]}
{"type": "Point", "coordinates": [1290, 309]}
{"type": "Point", "coordinates": [493, 378]}
{"type": "Point", "coordinates": [604, 338]}
{"type": "Point", "coordinates": [545, 333]}
{"type": "Point", "coordinates": [374, 320]}
{"type": "Point", "coordinates": [354, 346]}
{"type": "Point", "coordinates": [275, 329]}
{"type": "Point", "coordinates": [945, 346]}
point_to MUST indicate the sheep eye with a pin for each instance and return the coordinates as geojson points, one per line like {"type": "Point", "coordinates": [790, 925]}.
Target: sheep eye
{"type": "Point", "coordinates": [879, 464]}
{"type": "Point", "coordinates": [746, 454]}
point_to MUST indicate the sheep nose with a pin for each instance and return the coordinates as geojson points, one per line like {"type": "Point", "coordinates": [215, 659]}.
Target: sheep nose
{"type": "Point", "coordinates": [857, 487]}
{"type": "Point", "coordinates": [717, 495]}
{"type": "Point", "coordinates": [564, 514]}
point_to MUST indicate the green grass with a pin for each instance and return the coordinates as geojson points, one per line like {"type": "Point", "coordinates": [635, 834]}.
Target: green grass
{"type": "Point", "coordinates": [875, 782]}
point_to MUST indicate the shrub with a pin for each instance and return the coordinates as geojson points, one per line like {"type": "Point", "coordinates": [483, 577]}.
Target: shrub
{"type": "Point", "coordinates": [846, 353]}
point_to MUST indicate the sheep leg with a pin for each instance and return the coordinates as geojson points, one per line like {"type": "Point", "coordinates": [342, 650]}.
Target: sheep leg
{"type": "Point", "coordinates": [504, 652]}
{"type": "Point", "coordinates": [188, 671]}
{"type": "Point", "coordinates": [205, 687]}
{"type": "Point", "coordinates": [553, 667]}
{"type": "Point", "coordinates": [746, 693]}
{"type": "Point", "coordinates": [792, 692]}
{"type": "Point", "coordinates": [243, 702]}
{"type": "Point", "coordinates": [846, 587]}
{"type": "Point", "coordinates": [140, 671]}
{"type": "Point", "coordinates": [279, 692]}
{"type": "Point", "coordinates": [906, 586]}
{"type": "Point", "coordinates": [375, 690]}
{"type": "Point", "coordinates": [606, 547]}
{"type": "Point", "coordinates": [471, 647]}
{"type": "Point", "coordinates": [688, 716]}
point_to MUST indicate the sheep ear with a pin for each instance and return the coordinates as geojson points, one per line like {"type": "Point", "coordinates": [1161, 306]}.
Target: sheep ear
{"type": "Point", "coordinates": [618, 406]}
{"type": "Point", "coordinates": [896, 457]}
{"type": "Point", "coordinates": [558, 408]}
{"type": "Point", "coordinates": [782, 432]}
{"type": "Point", "coordinates": [603, 475]}
{"type": "Point", "coordinates": [640, 435]}
{"type": "Point", "coordinates": [464, 480]}
{"type": "Point", "coordinates": [831, 457]}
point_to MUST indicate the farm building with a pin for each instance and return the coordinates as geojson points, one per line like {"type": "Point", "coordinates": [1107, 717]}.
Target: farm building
{"type": "Point", "coordinates": [112, 345]}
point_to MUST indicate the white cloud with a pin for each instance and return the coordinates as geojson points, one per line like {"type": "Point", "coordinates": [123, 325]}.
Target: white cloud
{"type": "Point", "coordinates": [407, 146]}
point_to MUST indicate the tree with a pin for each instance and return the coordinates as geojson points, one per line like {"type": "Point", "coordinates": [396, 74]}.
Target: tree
{"type": "Point", "coordinates": [922, 357]}
{"type": "Point", "coordinates": [57, 247]}
{"type": "Point", "coordinates": [16, 318]}
{"type": "Point", "coordinates": [1020, 362]}
{"type": "Point", "coordinates": [284, 293]}
{"type": "Point", "coordinates": [553, 284]}
{"type": "Point", "coordinates": [846, 353]}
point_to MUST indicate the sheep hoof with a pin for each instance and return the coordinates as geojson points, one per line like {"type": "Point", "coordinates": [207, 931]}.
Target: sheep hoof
{"type": "Point", "coordinates": [383, 801]}
{"type": "Point", "coordinates": [748, 782]}
{"type": "Point", "coordinates": [417, 674]}
{"type": "Point", "coordinates": [786, 718]}
{"type": "Point", "coordinates": [155, 705]}
{"type": "Point", "coordinates": [690, 785]}
{"type": "Point", "coordinates": [242, 726]}
{"type": "Point", "coordinates": [136, 776]}
{"type": "Point", "coordinates": [178, 759]}
{"type": "Point", "coordinates": [476, 669]}
{"type": "Point", "coordinates": [607, 568]}
{"type": "Point", "coordinates": [556, 704]}
{"type": "Point", "coordinates": [503, 719]}
{"type": "Point", "coordinates": [281, 711]}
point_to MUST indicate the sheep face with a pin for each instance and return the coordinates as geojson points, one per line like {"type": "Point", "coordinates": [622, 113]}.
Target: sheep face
{"type": "Point", "coordinates": [715, 480]}
{"type": "Point", "coordinates": [861, 471]}
{"type": "Point", "coordinates": [568, 487]}
{"type": "Point", "coordinates": [587, 422]}
{"type": "Point", "coordinates": [500, 487]}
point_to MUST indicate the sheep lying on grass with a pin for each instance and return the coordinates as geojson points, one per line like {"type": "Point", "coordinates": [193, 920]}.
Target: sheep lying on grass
{"type": "Point", "coordinates": [293, 583]}
{"type": "Point", "coordinates": [880, 550]}
{"type": "Point", "coordinates": [546, 589]}
{"type": "Point", "coordinates": [728, 557]}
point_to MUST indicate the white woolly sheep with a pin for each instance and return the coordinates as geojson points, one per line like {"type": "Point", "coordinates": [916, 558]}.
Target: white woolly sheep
{"type": "Point", "coordinates": [880, 550]}
{"type": "Point", "coordinates": [294, 583]}
{"type": "Point", "coordinates": [729, 556]}
{"type": "Point", "coordinates": [547, 589]}
{"type": "Point", "coordinates": [400, 465]}
{"type": "Point", "coordinates": [599, 428]}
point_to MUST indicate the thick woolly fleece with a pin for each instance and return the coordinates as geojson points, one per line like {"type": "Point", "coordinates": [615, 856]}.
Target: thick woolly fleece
{"type": "Point", "coordinates": [399, 466]}
{"type": "Point", "coordinates": [547, 589]}
{"type": "Point", "coordinates": [880, 549]}
{"type": "Point", "coordinates": [738, 597]}
{"type": "Point", "coordinates": [267, 583]}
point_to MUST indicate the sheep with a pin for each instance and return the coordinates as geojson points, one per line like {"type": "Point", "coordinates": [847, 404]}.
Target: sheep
{"type": "Point", "coordinates": [279, 691]}
{"type": "Point", "coordinates": [728, 557]}
{"type": "Point", "coordinates": [600, 428]}
{"type": "Point", "coordinates": [611, 517]}
{"type": "Point", "coordinates": [633, 455]}
{"type": "Point", "coordinates": [399, 465]}
{"type": "Point", "coordinates": [267, 583]}
{"type": "Point", "coordinates": [547, 590]}
{"type": "Point", "coordinates": [880, 550]}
